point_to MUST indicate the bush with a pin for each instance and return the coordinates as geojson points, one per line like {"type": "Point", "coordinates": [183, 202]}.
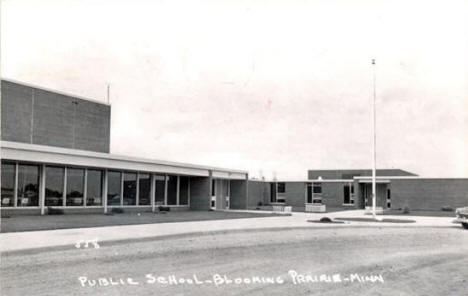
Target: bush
{"type": "Point", "coordinates": [406, 210]}
{"type": "Point", "coordinates": [117, 210]}
{"type": "Point", "coordinates": [259, 204]}
{"type": "Point", "coordinates": [326, 219]}
{"type": "Point", "coordinates": [54, 211]}
{"type": "Point", "coordinates": [164, 209]}
{"type": "Point", "coordinates": [447, 209]}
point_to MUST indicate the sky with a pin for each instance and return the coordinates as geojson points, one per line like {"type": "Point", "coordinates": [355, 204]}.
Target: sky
{"type": "Point", "coordinates": [272, 87]}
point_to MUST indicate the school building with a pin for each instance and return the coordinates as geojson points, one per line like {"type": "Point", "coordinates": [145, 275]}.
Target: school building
{"type": "Point", "coordinates": [55, 151]}
{"type": "Point", "coordinates": [395, 189]}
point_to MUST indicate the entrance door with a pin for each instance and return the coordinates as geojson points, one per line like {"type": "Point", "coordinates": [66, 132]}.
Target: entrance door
{"type": "Point", "coordinates": [213, 194]}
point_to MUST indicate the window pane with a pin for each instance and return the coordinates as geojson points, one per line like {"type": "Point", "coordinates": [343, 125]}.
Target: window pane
{"type": "Point", "coordinates": [113, 188]}
{"type": "Point", "coordinates": [272, 192]}
{"type": "Point", "coordinates": [94, 188]}
{"type": "Point", "coordinates": [8, 184]}
{"type": "Point", "coordinates": [129, 194]}
{"type": "Point", "coordinates": [75, 187]}
{"type": "Point", "coordinates": [144, 189]}
{"type": "Point", "coordinates": [54, 186]}
{"type": "Point", "coordinates": [160, 189]}
{"type": "Point", "coordinates": [184, 191]}
{"type": "Point", "coordinates": [281, 187]}
{"type": "Point", "coordinates": [309, 193]}
{"type": "Point", "coordinates": [318, 188]}
{"type": "Point", "coordinates": [28, 185]}
{"type": "Point", "coordinates": [213, 187]}
{"type": "Point", "coordinates": [346, 194]}
{"type": "Point", "coordinates": [172, 190]}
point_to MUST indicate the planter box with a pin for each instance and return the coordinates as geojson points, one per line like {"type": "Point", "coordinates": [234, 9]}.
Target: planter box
{"type": "Point", "coordinates": [378, 211]}
{"type": "Point", "coordinates": [278, 208]}
{"type": "Point", "coordinates": [316, 208]}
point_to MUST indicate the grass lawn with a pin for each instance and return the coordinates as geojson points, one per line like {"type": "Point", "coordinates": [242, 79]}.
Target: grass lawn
{"type": "Point", "coordinates": [421, 213]}
{"type": "Point", "coordinates": [385, 220]}
{"type": "Point", "coordinates": [49, 222]}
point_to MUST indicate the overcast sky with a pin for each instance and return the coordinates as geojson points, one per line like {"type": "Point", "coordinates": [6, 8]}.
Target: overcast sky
{"type": "Point", "coordinates": [266, 86]}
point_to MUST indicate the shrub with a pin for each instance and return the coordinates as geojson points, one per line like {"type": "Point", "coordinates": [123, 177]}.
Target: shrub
{"type": "Point", "coordinates": [164, 209]}
{"type": "Point", "coordinates": [54, 211]}
{"type": "Point", "coordinates": [326, 219]}
{"type": "Point", "coordinates": [259, 204]}
{"type": "Point", "coordinates": [447, 209]}
{"type": "Point", "coordinates": [406, 210]}
{"type": "Point", "coordinates": [117, 210]}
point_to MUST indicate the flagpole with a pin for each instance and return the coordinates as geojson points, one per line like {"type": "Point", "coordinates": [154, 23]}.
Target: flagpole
{"type": "Point", "coordinates": [374, 146]}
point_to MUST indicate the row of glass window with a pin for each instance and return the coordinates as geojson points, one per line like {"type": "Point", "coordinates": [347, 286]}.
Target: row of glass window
{"type": "Point", "coordinates": [66, 187]}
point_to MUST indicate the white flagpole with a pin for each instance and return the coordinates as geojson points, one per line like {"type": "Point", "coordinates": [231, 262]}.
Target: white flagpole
{"type": "Point", "coordinates": [373, 147]}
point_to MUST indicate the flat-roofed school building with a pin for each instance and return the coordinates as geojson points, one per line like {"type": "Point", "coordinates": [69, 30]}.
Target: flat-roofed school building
{"type": "Point", "coordinates": [395, 189]}
{"type": "Point", "coordinates": [55, 153]}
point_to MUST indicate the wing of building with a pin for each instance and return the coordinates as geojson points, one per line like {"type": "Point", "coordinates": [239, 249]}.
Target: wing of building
{"type": "Point", "coordinates": [55, 154]}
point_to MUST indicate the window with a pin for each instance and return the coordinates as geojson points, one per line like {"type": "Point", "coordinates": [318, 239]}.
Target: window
{"type": "Point", "coordinates": [309, 193]}
{"type": "Point", "coordinates": [317, 188]}
{"type": "Point", "coordinates": [28, 185]}
{"type": "Point", "coordinates": [159, 193]}
{"type": "Point", "coordinates": [114, 188]}
{"type": "Point", "coordinates": [184, 191]}
{"type": "Point", "coordinates": [54, 186]}
{"type": "Point", "coordinates": [272, 192]}
{"type": "Point", "coordinates": [314, 193]}
{"type": "Point", "coordinates": [75, 187]}
{"type": "Point", "coordinates": [172, 190]}
{"type": "Point", "coordinates": [129, 189]}
{"type": "Point", "coordinates": [213, 187]}
{"type": "Point", "coordinates": [348, 194]}
{"type": "Point", "coordinates": [8, 184]}
{"type": "Point", "coordinates": [281, 187]}
{"type": "Point", "coordinates": [389, 199]}
{"type": "Point", "coordinates": [144, 189]}
{"type": "Point", "coordinates": [94, 188]}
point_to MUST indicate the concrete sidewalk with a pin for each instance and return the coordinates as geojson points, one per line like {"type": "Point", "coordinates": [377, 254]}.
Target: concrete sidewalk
{"type": "Point", "coordinates": [18, 241]}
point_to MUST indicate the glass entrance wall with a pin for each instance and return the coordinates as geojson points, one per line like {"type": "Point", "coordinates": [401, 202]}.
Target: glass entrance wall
{"type": "Point", "coordinates": [94, 188]}
{"type": "Point", "coordinates": [160, 189]}
{"type": "Point", "coordinates": [130, 189]}
{"type": "Point", "coordinates": [184, 190]}
{"type": "Point", "coordinates": [144, 189]}
{"type": "Point", "coordinates": [114, 188]}
{"type": "Point", "coordinates": [8, 184]}
{"type": "Point", "coordinates": [83, 187]}
{"type": "Point", "coordinates": [172, 190]}
{"type": "Point", "coordinates": [75, 187]}
{"type": "Point", "coordinates": [28, 185]}
{"type": "Point", "coordinates": [54, 186]}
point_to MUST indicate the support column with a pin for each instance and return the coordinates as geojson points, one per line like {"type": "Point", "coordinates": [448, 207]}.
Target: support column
{"type": "Point", "coordinates": [104, 190]}
{"type": "Point", "coordinates": [85, 187]}
{"type": "Point", "coordinates": [42, 185]}
{"type": "Point", "coordinates": [153, 192]}
{"type": "Point", "coordinates": [178, 190]}
{"type": "Point", "coordinates": [165, 190]}
{"type": "Point", "coordinates": [64, 193]}
{"type": "Point", "coordinates": [137, 202]}
{"type": "Point", "coordinates": [15, 193]}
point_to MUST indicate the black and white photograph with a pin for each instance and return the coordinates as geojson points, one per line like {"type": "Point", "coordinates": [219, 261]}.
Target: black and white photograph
{"type": "Point", "coordinates": [233, 147]}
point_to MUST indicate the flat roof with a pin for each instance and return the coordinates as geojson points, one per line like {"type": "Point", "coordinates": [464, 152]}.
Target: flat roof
{"type": "Point", "coordinates": [58, 154]}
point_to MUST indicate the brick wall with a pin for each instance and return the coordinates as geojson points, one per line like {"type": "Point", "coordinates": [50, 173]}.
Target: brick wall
{"type": "Point", "coordinates": [429, 194]}
{"type": "Point", "coordinates": [36, 116]}
{"type": "Point", "coordinates": [258, 191]}
{"type": "Point", "coordinates": [200, 193]}
{"type": "Point", "coordinates": [238, 194]}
